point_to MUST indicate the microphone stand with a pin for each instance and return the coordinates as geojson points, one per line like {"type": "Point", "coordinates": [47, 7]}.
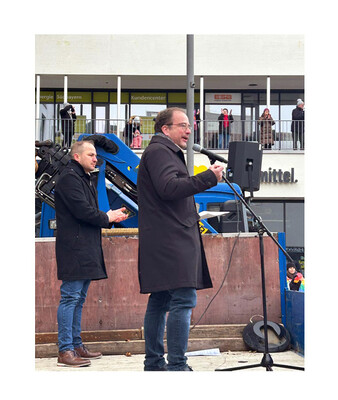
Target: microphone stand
{"type": "Point", "coordinates": [267, 361]}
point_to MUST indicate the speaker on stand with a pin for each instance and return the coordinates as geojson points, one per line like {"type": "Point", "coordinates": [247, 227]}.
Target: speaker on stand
{"type": "Point", "coordinates": [244, 165]}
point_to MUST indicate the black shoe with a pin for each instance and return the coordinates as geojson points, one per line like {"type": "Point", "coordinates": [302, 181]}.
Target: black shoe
{"type": "Point", "coordinates": [163, 368]}
{"type": "Point", "coordinates": [186, 368]}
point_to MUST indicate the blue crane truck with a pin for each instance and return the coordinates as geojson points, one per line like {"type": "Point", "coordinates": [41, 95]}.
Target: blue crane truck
{"type": "Point", "coordinates": [116, 177]}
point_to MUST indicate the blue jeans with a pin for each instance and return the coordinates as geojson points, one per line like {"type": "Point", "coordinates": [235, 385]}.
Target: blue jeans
{"type": "Point", "coordinates": [179, 303]}
{"type": "Point", "coordinates": [73, 296]}
{"type": "Point", "coordinates": [223, 140]}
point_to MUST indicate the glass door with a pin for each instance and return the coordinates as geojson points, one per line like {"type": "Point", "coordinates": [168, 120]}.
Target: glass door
{"type": "Point", "coordinates": [101, 121]}
{"type": "Point", "coordinates": [249, 121]}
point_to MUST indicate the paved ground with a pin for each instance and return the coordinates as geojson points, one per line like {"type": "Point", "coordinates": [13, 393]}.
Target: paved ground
{"type": "Point", "coordinates": [198, 363]}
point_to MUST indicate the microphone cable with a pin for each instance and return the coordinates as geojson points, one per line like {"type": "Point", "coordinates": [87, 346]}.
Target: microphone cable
{"type": "Point", "coordinates": [219, 289]}
{"type": "Point", "coordinates": [229, 263]}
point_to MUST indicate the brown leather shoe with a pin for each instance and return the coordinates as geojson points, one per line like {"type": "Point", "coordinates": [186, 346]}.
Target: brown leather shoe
{"type": "Point", "coordinates": [85, 353]}
{"type": "Point", "coordinates": [69, 358]}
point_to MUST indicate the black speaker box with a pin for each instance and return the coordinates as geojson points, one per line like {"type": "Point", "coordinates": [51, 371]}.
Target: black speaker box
{"type": "Point", "coordinates": [245, 162]}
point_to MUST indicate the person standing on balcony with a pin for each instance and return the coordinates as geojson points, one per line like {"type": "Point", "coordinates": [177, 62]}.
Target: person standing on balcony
{"type": "Point", "coordinates": [172, 263]}
{"type": "Point", "coordinates": [128, 131]}
{"type": "Point", "coordinates": [137, 135]}
{"type": "Point", "coordinates": [68, 118]}
{"type": "Point", "coordinates": [78, 247]}
{"type": "Point", "coordinates": [224, 128]}
{"type": "Point", "coordinates": [133, 125]}
{"type": "Point", "coordinates": [197, 119]}
{"type": "Point", "coordinates": [266, 123]}
{"type": "Point", "coordinates": [297, 125]}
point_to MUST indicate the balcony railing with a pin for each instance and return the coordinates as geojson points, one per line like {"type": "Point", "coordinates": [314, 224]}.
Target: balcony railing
{"type": "Point", "coordinates": [208, 133]}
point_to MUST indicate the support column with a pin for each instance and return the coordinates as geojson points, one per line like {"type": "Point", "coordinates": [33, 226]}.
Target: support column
{"type": "Point", "coordinates": [37, 109]}
{"type": "Point", "coordinates": [118, 106]}
{"type": "Point", "coordinates": [268, 92]}
{"type": "Point", "coordinates": [65, 89]}
{"type": "Point", "coordinates": [190, 101]}
{"type": "Point", "coordinates": [202, 111]}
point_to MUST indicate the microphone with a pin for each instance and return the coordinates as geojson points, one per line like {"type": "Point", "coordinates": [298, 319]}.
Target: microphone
{"type": "Point", "coordinates": [210, 154]}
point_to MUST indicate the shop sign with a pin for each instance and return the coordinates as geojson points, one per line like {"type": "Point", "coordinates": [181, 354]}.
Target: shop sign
{"type": "Point", "coordinates": [74, 97]}
{"type": "Point", "coordinates": [148, 98]}
{"type": "Point", "coordinates": [46, 97]}
{"type": "Point", "coordinates": [278, 176]}
{"type": "Point", "coordinates": [222, 98]}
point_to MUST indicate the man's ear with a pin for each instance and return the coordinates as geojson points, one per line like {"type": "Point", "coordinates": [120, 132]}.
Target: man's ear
{"type": "Point", "coordinates": [165, 129]}
{"type": "Point", "coordinates": [76, 157]}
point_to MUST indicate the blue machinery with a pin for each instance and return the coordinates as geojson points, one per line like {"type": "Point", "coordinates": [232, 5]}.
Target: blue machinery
{"type": "Point", "coordinates": [116, 181]}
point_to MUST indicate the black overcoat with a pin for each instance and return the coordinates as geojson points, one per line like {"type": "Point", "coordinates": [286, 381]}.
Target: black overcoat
{"type": "Point", "coordinates": [171, 253]}
{"type": "Point", "coordinates": [297, 125]}
{"type": "Point", "coordinates": [67, 124]}
{"type": "Point", "coordinates": [79, 221]}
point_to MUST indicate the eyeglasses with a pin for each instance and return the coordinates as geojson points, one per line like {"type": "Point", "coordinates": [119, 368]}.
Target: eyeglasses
{"type": "Point", "coordinates": [182, 125]}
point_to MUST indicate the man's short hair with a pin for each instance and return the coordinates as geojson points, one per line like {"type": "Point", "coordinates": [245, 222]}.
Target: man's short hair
{"type": "Point", "coordinates": [78, 147]}
{"type": "Point", "coordinates": [165, 117]}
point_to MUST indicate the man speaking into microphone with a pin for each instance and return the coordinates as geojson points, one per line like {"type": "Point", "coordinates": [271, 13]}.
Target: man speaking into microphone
{"type": "Point", "coordinates": [172, 263]}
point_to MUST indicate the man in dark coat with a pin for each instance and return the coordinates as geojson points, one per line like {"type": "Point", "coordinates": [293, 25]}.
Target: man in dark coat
{"type": "Point", "coordinates": [68, 118]}
{"type": "Point", "coordinates": [172, 263]}
{"type": "Point", "coordinates": [79, 253]}
{"type": "Point", "coordinates": [297, 125]}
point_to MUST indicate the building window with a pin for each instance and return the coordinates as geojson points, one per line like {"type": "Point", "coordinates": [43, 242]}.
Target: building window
{"type": "Point", "coordinates": [46, 122]}
{"type": "Point", "coordinates": [114, 123]}
{"type": "Point", "coordinates": [147, 113]}
{"type": "Point", "coordinates": [284, 216]}
{"type": "Point", "coordinates": [272, 214]}
{"type": "Point", "coordinates": [146, 110]}
{"type": "Point", "coordinates": [294, 224]}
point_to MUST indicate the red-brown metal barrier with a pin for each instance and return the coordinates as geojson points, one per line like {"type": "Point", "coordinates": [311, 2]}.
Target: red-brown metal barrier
{"type": "Point", "coordinates": [116, 303]}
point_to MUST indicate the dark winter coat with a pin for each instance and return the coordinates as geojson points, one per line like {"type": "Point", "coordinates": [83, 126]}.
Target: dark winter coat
{"type": "Point", "coordinates": [67, 124]}
{"type": "Point", "coordinates": [171, 253]}
{"type": "Point", "coordinates": [79, 221]}
{"type": "Point", "coordinates": [297, 125]}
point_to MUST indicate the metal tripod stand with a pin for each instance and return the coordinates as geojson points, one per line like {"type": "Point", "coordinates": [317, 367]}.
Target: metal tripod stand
{"type": "Point", "coordinates": [267, 361]}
